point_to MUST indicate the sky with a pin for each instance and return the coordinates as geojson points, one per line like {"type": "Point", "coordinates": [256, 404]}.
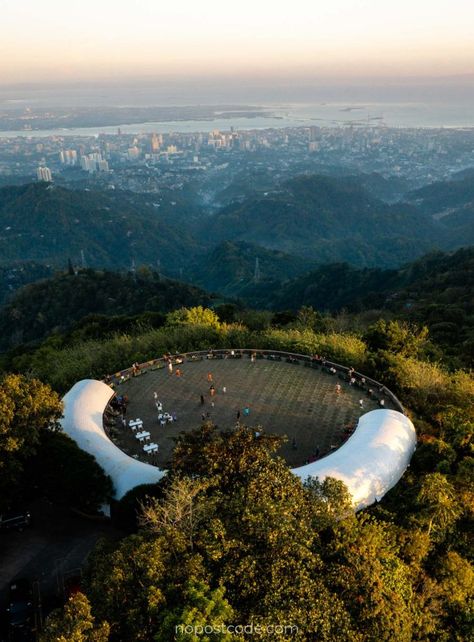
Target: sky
{"type": "Point", "coordinates": [77, 40]}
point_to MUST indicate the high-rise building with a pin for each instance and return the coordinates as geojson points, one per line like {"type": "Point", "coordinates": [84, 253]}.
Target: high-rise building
{"type": "Point", "coordinates": [155, 143]}
{"type": "Point", "coordinates": [44, 174]}
{"type": "Point", "coordinates": [68, 157]}
{"type": "Point", "coordinates": [88, 164]}
{"type": "Point", "coordinates": [102, 166]}
{"type": "Point", "coordinates": [94, 163]}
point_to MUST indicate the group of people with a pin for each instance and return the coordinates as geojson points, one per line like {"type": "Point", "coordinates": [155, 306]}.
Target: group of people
{"type": "Point", "coordinates": [361, 383]}
{"type": "Point", "coordinates": [212, 393]}
{"type": "Point", "coordinates": [119, 404]}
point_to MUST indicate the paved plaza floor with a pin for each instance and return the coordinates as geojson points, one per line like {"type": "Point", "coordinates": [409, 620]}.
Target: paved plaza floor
{"type": "Point", "coordinates": [284, 398]}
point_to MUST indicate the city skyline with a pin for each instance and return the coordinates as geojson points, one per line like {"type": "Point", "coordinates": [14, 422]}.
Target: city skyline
{"type": "Point", "coordinates": [86, 41]}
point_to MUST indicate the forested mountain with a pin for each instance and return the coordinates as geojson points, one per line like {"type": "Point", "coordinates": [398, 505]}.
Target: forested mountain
{"type": "Point", "coordinates": [436, 290]}
{"type": "Point", "coordinates": [230, 268]}
{"type": "Point", "coordinates": [50, 224]}
{"type": "Point", "coordinates": [306, 221]}
{"type": "Point", "coordinates": [441, 195]}
{"type": "Point", "coordinates": [55, 304]}
{"type": "Point", "coordinates": [325, 219]}
{"type": "Point", "coordinates": [14, 276]}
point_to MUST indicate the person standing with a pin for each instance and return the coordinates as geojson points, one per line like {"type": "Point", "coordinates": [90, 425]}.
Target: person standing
{"type": "Point", "coordinates": [209, 377]}
{"type": "Point", "coordinates": [202, 400]}
{"type": "Point", "coordinates": [170, 367]}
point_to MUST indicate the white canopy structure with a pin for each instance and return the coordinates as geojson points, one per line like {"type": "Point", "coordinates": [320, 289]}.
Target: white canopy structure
{"type": "Point", "coordinates": [84, 407]}
{"type": "Point", "coordinates": [372, 460]}
{"type": "Point", "coordinates": [370, 463]}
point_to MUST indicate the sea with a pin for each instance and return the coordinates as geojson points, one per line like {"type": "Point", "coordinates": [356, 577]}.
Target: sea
{"type": "Point", "coordinates": [422, 109]}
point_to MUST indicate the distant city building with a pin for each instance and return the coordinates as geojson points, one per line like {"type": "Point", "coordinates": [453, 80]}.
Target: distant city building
{"type": "Point", "coordinates": [68, 157]}
{"type": "Point", "coordinates": [102, 166]}
{"type": "Point", "coordinates": [44, 174]}
{"type": "Point", "coordinates": [94, 163]}
{"type": "Point", "coordinates": [133, 152]}
{"type": "Point", "coordinates": [155, 143]}
{"type": "Point", "coordinates": [88, 164]}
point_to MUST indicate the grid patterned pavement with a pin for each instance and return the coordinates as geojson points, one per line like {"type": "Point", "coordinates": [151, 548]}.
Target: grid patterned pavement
{"type": "Point", "coordinates": [284, 398]}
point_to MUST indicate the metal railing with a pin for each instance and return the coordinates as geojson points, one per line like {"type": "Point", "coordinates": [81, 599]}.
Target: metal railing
{"type": "Point", "coordinates": [238, 353]}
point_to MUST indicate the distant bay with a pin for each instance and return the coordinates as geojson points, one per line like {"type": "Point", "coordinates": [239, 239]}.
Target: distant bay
{"type": "Point", "coordinates": [406, 115]}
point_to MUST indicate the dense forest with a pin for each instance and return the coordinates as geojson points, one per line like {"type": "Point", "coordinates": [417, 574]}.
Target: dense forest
{"type": "Point", "coordinates": [316, 218]}
{"type": "Point", "coordinates": [254, 545]}
{"type": "Point", "coordinates": [50, 224]}
{"type": "Point", "coordinates": [230, 535]}
{"type": "Point", "coordinates": [436, 290]}
{"type": "Point", "coordinates": [56, 304]}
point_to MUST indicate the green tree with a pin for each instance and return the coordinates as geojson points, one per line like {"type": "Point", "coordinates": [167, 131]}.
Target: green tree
{"type": "Point", "coordinates": [364, 566]}
{"type": "Point", "coordinates": [439, 506]}
{"type": "Point", "coordinates": [66, 474]}
{"type": "Point", "coordinates": [330, 500]}
{"type": "Point", "coordinates": [202, 607]}
{"type": "Point", "coordinates": [193, 316]}
{"type": "Point", "coordinates": [74, 623]}
{"type": "Point", "coordinates": [27, 408]}
{"type": "Point", "coordinates": [396, 337]}
{"type": "Point", "coordinates": [456, 583]}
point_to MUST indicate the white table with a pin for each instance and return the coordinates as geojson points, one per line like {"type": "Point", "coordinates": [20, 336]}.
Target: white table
{"type": "Point", "coordinates": [135, 423]}
{"type": "Point", "coordinates": [142, 436]}
{"type": "Point", "coordinates": [150, 448]}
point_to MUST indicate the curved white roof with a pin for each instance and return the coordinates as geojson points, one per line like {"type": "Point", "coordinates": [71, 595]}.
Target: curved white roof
{"type": "Point", "coordinates": [372, 460]}
{"type": "Point", "coordinates": [370, 463]}
{"type": "Point", "coordinates": [84, 406]}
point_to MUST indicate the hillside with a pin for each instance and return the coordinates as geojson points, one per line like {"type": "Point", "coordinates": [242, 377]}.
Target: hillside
{"type": "Point", "coordinates": [442, 195]}
{"type": "Point", "coordinates": [436, 290]}
{"type": "Point", "coordinates": [56, 304]}
{"type": "Point", "coordinates": [50, 224]}
{"type": "Point", "coordinates": [229, 268]}
{"type": "Point", "coordinates": [327, 219]}
{"type": "Point", "coordinates": [15, 276]}
{"type": "Point", "coordinates": [306, 221]}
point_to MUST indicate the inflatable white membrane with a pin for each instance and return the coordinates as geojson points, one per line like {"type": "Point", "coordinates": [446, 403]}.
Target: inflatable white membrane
{"type": "Point", "coordinates": [372, 460]}
{"type": "Point", "coordinates": [370, 463]}
{"type": "Point", "coordinates": [84, 407]}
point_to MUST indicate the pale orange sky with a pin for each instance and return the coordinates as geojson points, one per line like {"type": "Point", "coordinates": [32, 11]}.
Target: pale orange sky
{"type": "Point", "coordinates": [44, 40]}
